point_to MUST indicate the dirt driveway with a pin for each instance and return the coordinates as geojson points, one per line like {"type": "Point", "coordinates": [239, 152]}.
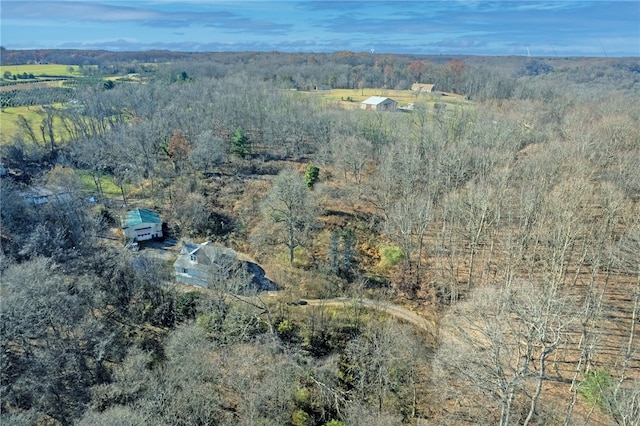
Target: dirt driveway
{"type": "Point", "coordinates": [166, 250]}
{"type": "Point", "coordinates": [394, 310]}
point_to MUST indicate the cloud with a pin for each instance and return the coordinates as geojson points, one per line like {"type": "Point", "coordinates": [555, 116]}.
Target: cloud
{"type": "Point", "coordinates": [464, 43]}
{"type": "Point", "coordinates": [127, 45]}
{"type": "Point", "coordinates": [250, 25]}
{"type": "Point", "coordinates": [464, 26]}
{"type": "Point", "coordinates": [144, 14]}
{"type": "Point", "coordinates": [74, 10]}
{"type": "Point", "coordinates": [334, 5]}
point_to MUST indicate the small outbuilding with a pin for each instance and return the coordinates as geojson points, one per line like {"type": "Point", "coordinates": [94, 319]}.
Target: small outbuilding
{"type": "Point", "coordinates": [141, 225]}
{"type": "Point", "coordinates": [379, 103]}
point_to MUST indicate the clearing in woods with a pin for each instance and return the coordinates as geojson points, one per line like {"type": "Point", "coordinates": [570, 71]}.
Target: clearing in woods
{"type": "Point", "coordinates": [403, 97]}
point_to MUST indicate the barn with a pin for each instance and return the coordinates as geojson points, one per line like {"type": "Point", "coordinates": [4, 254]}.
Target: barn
{"type": "Point", "coordinates": [379, 103]}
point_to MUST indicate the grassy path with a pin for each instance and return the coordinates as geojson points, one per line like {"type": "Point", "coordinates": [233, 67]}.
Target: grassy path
{"type": "Point", "coordinates": [391, 309]}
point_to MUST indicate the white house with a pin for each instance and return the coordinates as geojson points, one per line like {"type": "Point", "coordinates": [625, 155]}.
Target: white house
{"type": "Point", "coordinates": [199, 264]}
{"type": "Point", "coordinates": [204, 264]}
{"type": "Point", "coordinates": [379, 103]}
{"type": "Point", "coordinates": [141, 225]}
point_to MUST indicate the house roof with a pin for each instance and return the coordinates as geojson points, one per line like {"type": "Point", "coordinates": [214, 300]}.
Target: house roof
{"type": "Point", "coordinates": [205, 255]}
{"type": "Point", "coordinates": [422, 87]}
{"type": "Point", "coordinates": [376, 100]}
{"type": "Point", "coordinates": [201, 261]}
{"type": "Point", "coordinates": [138, 216]}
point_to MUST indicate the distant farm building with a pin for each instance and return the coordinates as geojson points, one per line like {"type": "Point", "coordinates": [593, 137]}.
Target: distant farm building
{"type": "Point", "coordinates": [423, 88]}
{"type": "Point", "coordinates": [323, 87]}
{"type": "Point", "coordinates": [379, 103]}
{"type": "Point", "coordinates": [141, 225]}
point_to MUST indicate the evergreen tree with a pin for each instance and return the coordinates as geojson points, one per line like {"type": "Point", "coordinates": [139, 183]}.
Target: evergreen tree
{"type": "Point", "coordinates": [240, 144]}
{"type": "Point", "coordinates": [311, 175]}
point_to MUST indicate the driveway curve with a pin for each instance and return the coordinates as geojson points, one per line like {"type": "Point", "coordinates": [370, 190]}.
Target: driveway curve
{"type": "Point", "coordinates": [391, 309]}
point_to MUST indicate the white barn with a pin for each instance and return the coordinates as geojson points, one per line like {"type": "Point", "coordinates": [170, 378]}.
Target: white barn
{"type": "Point", "coordinates": [379, 103]}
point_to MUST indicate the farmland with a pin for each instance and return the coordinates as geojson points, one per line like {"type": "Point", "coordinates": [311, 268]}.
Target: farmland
{"type": "Point", "coordinates": [41, 70]}
{"type": "Point", "coordinates": [403, 97]}
{"type": "Point", "coordinates": [25, 89]}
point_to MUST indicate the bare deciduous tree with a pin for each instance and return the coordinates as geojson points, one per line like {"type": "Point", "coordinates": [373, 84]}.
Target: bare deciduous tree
{"type": "Point", "coordinates": [351, 154]}
{"type": "Point", "coordinates": [380, 362]}
{"type": "Point", "coordinates": [291, 209]}
{"type": "Point", "coordinates": [498, 344]}
{"type": "Point", "coordinates": [404, 196]}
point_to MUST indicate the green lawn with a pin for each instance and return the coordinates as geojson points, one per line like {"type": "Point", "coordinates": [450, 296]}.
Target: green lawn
{"type": "Point", "coordinates": [39, 70]}
{"type": "Point", "coordinates": [109, 188]}
{"type": "Point", "coordinates": [34, 115]}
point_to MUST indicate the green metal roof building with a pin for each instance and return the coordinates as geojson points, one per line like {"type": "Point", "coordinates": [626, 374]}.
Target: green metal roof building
{"type": "Point", "coordinates": [142, 224]}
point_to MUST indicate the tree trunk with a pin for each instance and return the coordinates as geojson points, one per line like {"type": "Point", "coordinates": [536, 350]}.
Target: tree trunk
{"type": "Point", "coordinates": [542, 364]}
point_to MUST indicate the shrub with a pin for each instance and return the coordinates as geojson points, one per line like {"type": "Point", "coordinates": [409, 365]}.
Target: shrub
{"type": "Point", "coordinates": [210, 322]}
{"type": "Point", "coordinates": [300, 418]}
{"type": "Point", "coordinates": [596, 387]}
{"type": "Point", "coordinates": [390, 256]}
{"type": "Point", "coordinates": [186, 306]}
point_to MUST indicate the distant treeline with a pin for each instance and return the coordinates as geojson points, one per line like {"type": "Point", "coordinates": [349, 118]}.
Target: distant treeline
{"type": "Point", "coordinates": [84, 57]}
{"type": "Point", "coordinates": [477, 77]}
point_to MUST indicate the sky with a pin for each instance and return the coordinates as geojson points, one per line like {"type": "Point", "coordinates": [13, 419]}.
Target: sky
{"type": "Point", "coordinates": [475, 27]}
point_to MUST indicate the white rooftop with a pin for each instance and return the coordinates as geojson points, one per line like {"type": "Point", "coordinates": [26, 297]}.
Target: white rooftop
{"type": "Point", "coordinates": [375, 100]}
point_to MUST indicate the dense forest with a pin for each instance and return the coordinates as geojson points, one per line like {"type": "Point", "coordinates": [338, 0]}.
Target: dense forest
{"type": "Point", "coordinates": [470, 258]}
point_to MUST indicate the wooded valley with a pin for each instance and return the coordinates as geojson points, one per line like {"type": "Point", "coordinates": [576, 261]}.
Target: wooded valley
{"type": "Point", "coordinates": [469, 257]}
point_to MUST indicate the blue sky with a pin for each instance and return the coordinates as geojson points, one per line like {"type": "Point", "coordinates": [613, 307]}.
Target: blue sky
{"type": "Point", "coordinates": [477, 27]}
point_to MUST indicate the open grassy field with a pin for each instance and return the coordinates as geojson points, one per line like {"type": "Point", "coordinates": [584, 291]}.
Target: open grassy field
{"type": "Point", "coordinates": [403, 97]}
{"type": "Point", "coordinates": [40, 70]}
{"type": "Point", "coordinates": [34, 114]}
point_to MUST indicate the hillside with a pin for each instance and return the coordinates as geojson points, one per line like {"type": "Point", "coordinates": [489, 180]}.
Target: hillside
{"type": "Point", "coordinates": [472, 259]}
